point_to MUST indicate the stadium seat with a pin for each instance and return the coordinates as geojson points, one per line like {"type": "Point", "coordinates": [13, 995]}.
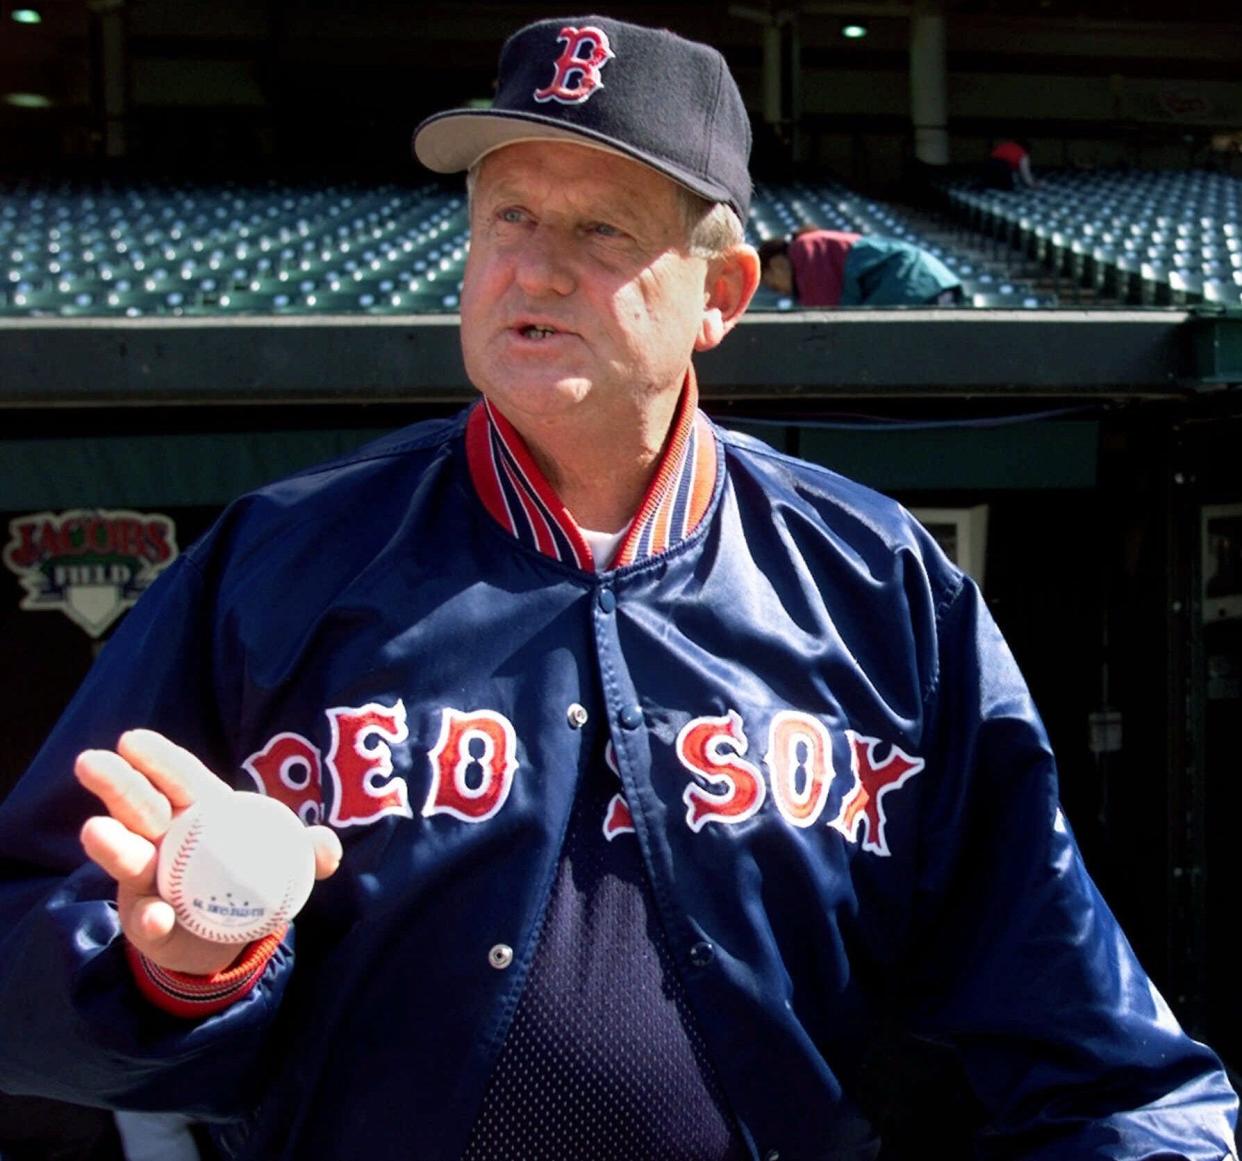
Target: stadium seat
{"type": "Point", "coordinates": [52, 302]}
{"type": "Point", "coordinates": [1154, 288]}
{"type": "Point", "coordinates": [1222, 292]}
{"type": "Point", "coordinates": [1101, 226]}
{"type": "Point", "coordinates": [1012, 300]}
{"type": "Point", "coordinates": [1185, 288]}
{"type": "Point", "coordinates": [229, 301]}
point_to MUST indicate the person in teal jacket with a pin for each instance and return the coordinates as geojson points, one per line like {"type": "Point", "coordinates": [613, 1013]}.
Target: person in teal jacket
{"type": "Point", "coordinates": [836, 268]}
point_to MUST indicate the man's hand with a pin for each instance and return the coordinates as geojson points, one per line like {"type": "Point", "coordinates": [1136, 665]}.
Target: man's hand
{"type": "Point", "coordinates": [144, 783]}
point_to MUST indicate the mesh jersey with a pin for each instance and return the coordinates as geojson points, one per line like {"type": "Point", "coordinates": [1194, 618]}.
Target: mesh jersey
{"type": "Point", "coordinates": [603, 1061]}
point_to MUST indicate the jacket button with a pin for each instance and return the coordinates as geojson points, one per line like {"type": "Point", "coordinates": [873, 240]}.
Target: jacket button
{"type": "Point", "coordinates": [577, 716]}
{"type": "Point", "coordinates": [607, 600]}
{"type": "Point", "coordinates": [702, 954]}
{"type": "Point", "coordinates": [500, 956]}
{"type": "Point", "coordinates": [631, 717]}
{"type": "Point", "coordinates": [772, 1155]}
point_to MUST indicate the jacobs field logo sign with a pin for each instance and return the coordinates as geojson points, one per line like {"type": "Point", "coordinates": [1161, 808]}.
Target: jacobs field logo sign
{"type": "Point", "coordinates": [89, 563]}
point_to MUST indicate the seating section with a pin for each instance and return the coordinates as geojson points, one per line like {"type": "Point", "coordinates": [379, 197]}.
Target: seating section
{"type": "Point", "coordinates": [1164, 238]}
{"type": "Point", "coordinates": [229, 249]}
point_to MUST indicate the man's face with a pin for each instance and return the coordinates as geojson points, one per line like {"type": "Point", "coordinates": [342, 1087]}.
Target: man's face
{"type": "Point", "coordinates": [579, 292]}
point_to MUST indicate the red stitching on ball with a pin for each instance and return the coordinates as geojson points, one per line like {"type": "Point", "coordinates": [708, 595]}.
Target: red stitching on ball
{"type": "Point", "coordinates": [188, 842]}
{"type": "Point", "coordinates": [176, 876]}
{"type": "Point", "coordinates": [188, 919]}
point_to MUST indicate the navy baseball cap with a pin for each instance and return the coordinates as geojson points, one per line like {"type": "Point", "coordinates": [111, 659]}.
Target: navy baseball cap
{"type": "Point", "coordinates": [644, 93]}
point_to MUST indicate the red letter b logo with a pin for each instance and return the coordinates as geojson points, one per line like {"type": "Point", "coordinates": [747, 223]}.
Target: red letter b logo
{"type": "Point", "coordinates": [577, 75]}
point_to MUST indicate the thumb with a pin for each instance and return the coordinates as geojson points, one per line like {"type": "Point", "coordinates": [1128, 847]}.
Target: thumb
{"type": "Point", "coordinates": [328, 850]}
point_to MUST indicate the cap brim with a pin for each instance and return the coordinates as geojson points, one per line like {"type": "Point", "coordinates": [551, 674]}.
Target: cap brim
{"type": "Point", "coordinates": [453, 141]}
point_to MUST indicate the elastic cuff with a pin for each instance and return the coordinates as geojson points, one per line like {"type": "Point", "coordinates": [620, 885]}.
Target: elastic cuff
{"type": "Point", "coordinates": [194, 997]}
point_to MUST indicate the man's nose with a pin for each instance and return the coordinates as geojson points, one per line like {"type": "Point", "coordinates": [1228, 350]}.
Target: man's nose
{"type": "Point", "coordinates": [544, 263]}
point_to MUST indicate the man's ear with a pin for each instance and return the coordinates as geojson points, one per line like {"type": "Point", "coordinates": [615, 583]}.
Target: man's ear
{"type": "Point", "coordinates": [731, 282]}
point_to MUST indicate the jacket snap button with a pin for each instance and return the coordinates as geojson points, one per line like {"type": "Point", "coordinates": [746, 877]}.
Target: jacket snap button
{"type": "Point", "coordinates": [631, 717]}
{"type": "Point", "coordinates": [500, 956]}
{"type": "Point", "coordinates": [577, 716]}
{"type": "Point", "coordinates": [607, 600]}
{"type": "Point", "coordinates": [772, 1155]}
{"type": "Point", "coordinates": [702, 953]}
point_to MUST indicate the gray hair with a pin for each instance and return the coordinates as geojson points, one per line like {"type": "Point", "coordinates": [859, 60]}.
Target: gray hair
{"type": "Point", "coordinates": [712, 228]}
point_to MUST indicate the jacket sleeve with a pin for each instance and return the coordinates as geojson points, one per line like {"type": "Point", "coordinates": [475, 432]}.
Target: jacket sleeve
{"type": "Point", "coordinates": [1023, 971]}
{"type": "Point", "coordinates": [73, 1022]}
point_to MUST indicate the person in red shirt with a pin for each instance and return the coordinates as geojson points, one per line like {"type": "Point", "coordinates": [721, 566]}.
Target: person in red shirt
{"type": "Point", "coordinates": [1009, 166]}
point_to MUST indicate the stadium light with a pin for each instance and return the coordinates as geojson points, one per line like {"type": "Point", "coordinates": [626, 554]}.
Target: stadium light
{"type": "Point", "coordinates": [27, 100]}
{"type": "Point", "coordinates": [853, 31]}
{"type": "Point", "coordinates": [26, 16]}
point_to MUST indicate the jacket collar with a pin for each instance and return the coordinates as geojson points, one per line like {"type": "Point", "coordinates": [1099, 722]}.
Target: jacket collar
{"type": "Point", "coordinates": [520, 499]}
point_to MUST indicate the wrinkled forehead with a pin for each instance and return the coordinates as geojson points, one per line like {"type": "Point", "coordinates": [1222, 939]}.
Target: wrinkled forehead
{"type": "Point", "coordinates": [602, 168]}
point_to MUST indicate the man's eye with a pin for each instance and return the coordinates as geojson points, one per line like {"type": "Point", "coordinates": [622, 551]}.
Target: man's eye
{"type": "Point", "coordinates": [604, 230]}
{"type": "Point", "coordinates": [511, 215]}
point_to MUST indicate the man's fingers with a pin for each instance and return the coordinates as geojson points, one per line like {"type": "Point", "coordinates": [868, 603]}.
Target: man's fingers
{"type": "Point", "coordinates": [129, 796]}
{"type": "Point", "coordinates": [148, 920]}
{"type": "Point", "coordinates": [327, 850]}
{"type": "Point", "coordinates": [129, 858]}
{"type": "Point", "coordinates": [146, 780]}
{"type": "Point", "coordinates": [151, 926]}
{"type": "Point", "coordinates": [176, 772]}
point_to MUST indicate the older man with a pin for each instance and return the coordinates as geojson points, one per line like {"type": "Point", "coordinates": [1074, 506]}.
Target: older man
{"type": "Point", "coordinates": [661, 770]}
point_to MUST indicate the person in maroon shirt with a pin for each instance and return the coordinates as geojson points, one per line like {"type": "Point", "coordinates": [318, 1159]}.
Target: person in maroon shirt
{"type": "Point", "coordinates": [824, 268]}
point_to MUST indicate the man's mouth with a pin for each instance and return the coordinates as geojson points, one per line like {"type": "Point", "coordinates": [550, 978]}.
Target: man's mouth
{"type": "Point", "coordinates": [537, 332]}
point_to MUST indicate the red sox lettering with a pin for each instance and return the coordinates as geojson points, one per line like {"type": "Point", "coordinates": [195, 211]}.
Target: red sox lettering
{"type": "Point", "coordinates": [713, 749]}
{"type": "Point", "coordinates": [473, 764]}
{"type": "Point", "coordinates": [577, 76]}
{"type": "Point", "coordinates": [481, 738]}
{"type": "Point", "coordinates": [789, 731]}
{"type": "Point", "coordinates": [360, 763]}
{"type": "Point", "coordinates": [617, 817]}
{"type": "Point", "coordinates": [864, 804]}
{"type": "Point", "coordinates": [288, 768]}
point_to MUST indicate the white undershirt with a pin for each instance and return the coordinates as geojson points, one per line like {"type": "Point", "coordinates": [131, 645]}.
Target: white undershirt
{"type": "Point", "coordinates": [603, 544]}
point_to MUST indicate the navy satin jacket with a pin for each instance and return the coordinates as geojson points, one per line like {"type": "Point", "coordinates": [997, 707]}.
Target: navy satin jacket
{"type": "Point", "coordinates": [841, 791]}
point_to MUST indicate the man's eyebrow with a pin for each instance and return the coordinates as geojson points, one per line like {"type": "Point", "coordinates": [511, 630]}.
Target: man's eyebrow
{"type": "Point", "coordinates": [496, 191]}
{"type": "Point", "coordinates": [621, 206]}
{"type": "Point", "coordinates": [623, 213]}
{"type": "Point", "coordinates": [627, 211]}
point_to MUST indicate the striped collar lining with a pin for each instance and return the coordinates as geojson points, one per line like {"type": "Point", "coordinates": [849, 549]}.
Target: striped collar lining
{"type": "Point", "coordinates": [520, 499]}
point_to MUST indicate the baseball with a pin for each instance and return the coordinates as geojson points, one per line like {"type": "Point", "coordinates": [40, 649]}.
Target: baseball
{"type": "Point", "coordinates": [236, 867]}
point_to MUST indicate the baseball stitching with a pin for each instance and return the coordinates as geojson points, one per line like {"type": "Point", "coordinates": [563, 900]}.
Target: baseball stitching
{"type": "Point", "coordinates": [188, 919]}
{"type": "Point", "coordinates": [175, 875]}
